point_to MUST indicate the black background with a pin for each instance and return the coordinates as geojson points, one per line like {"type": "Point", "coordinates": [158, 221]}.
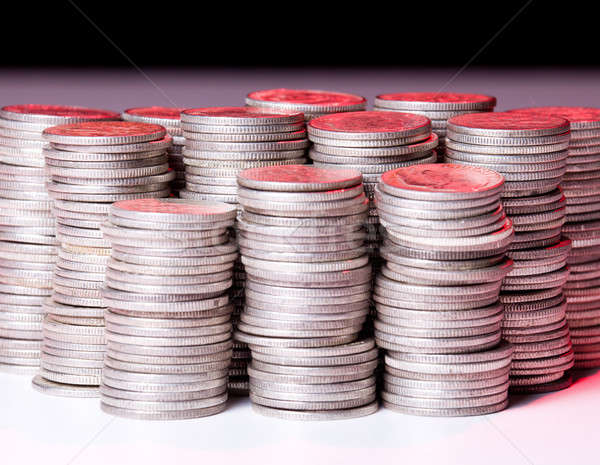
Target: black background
{"type": "Point", "coordinates": [217, 33]}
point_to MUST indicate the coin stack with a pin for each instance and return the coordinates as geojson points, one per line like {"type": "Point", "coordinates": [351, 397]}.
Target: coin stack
{"type": "Point", "coordinates": [439, 107]}
{"type": "Point", "coordinates": [313, 103]}
{"type": "Point", "coordinates": [169, 118]}
{"type": "Point", "coordinates": [371, 142]}
{"type": "Point", "coordinates": [438, 314]}
{"type": "Point", "coordinates": [530, 151]}
{"type": "Point", "coordinates": [168, 321]}
{"type": "Point", "coordinates": [90, 166]}
{"type": "Point", "coordinates": [301, 238]}
{"type": "Point", "coordinates": [220, 143]}
{"type": "Point", "coordinates": [27, 242]}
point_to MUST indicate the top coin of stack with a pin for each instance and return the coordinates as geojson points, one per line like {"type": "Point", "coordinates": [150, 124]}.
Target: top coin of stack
{"type": "Point", "coordinates": [169, 118]}
{"type": "Point", "coordinates": [27, 243]}
{"type": "Point", "coordinates": [313, 103]}
{"type": "Point", "coordinates": [222, 141]}
{"type": "Point", "coordinates": [439, 107]}
{"type": "Point", "coordinates": [581, 186]}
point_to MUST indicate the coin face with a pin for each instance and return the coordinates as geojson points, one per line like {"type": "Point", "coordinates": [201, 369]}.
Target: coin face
{"type": "Point", "coordinates": [579, 117]}
{"type": "Point", "coordinates": [240, 116]}
{"type": "Point", "coordinates": [308, 98]}
{"type": "Point", "coordinates": [156, 112]}
{"type": "Point", "coordinates": [509, 124]}
{"type": "Point", "coordinates": [176, 207]}
{"type": "Point", "coordinates": [104, 132]}
{"type": "Point", "coordinates": [435, 101]}
{"type": "Point", "coordinates": [54, 114]}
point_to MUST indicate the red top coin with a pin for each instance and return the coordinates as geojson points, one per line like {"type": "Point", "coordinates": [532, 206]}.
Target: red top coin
{"type": "Point", "coordinates": [174, 210]}
{"type": "Point", "coordinates": [155, 112]}
{"type": "Point", "coordinates": [308, 98]}
{"type": "Point", "coordinates": [579, 117]}
{"type": "Point", "coordinates": [104, 132]}
{"type": "Point", "coordinates": [240, 116]}
{"type": "Point", "coordinates": [508, 124]}
{"type": "Point", "coordinates": [387, 124]}
{"type": "Point", "coordinates": [298, 178]}
{"type": "Point", "coordinates": [55, 113]}
{"type": "Point", "coordinates": [454, 100]}
{"type": "Point", "coordinates": [436, 181]}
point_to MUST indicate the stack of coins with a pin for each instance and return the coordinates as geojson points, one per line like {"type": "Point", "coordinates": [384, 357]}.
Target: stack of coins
{"type": "Point", "coordinates": [581, 186]}
{"type": "Point", "coordinates": [27, 241]}
{"type": "Point", "coordinates": [313, 103]}
{"type": "Point", "coordinates": [439, 107]}
{"type": "Point", "coordinates": [301, 238]}
{"type": "Point", "coordinates": [169, 118]}
{"type": "Point", "coordinates": [90, 165]}
{"type": "Point", "coordinates": [531, 152]}
{"type": "Point", "coordinates": [220, 143]}
{"type": "Point", "coordinates": [168, 322]}
{"type": "Point", "coordinates": [438, 313]}
{"type": "Point", "coordinates": [372, 143]}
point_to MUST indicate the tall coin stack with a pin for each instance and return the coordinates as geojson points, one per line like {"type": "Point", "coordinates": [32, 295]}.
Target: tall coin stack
{"type": "Point", "coordinates": [301, 237]}
{"type": "Point", "coordinates": [90, 165]}
{"type": "Point", "coordinates": [438, 313]}
{"type": "Point", "coordinates": [581, 186]}
{"type": "Point", "coordinates": [531, 152]}
{"type": "Point", "coordinates": [169, 118]}
{"type": "Point", "coordinates": [439, 107]}
{"type": "Point", "coordinates": [27, 241]}
{"type": "Point", "coordinates": [313, 103]}
{"type": "Point", "coordinates": [371, 142]}
{"type": "Point", "coordinates": [168, 322]}
{"type": "Point", "coordinates": [220, 143]}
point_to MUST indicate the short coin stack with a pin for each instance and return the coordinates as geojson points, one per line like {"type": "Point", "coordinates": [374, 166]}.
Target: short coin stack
{"type": "Point", "coordinates": [27, 241]}
{"type": "Point", "coordinates": [90, 165]}
{"type": "Point", "coordinates": [169, 118]}
{"type": "Point", "coordinates": [313, 103]}
{"type": "Point", "coordinates": [530, 151]}
{"type": "Point", "coordinates": [581, 186]}
{"type": "Point", "coordinates": [220, 143]}
{"type": "Point", "coordinates": [301, 238]}
{"type": "Point", "coordinates": [168, 322]}
{"type": "Point", "coordinates": [438, 313]}
{"type": "Point", "coordinates": [439, 107]}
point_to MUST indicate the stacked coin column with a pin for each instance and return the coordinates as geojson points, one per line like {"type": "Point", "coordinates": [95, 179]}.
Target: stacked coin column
{"type": "Point", "coordinates": [90, 166]}
{"type": "Point", "coordinates": [530, 151]}
{"type": "Point", "coordinates": [220, 143]}
{"type": "Point", "coordinates": [438, 313]}
{"type": "Point", "coordinates": [437, 106]}
{"type": "Point", "coordinates": [27, 240]}
{"type": "Point", "coordinates": [581, 186]}
{"type": "Point", "coordinates": [168, 322]}
{"type": "Point", "coordinates": [301, 239]}
{"type": "Point", "coordinates": [313, 103]}
{"type": "Point", "coordinates": [372, 143]}
{"type": "Point", "coordinates": [169, 118]}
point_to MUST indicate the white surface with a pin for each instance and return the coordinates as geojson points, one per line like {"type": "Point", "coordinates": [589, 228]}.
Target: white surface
{"type": "Point", "coordinates": [555, 428]}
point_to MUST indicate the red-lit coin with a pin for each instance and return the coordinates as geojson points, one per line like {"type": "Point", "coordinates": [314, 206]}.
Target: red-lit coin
{"type": "Point", "coordinates": [298, 178]}
{"type": "Point", "coordinates": [242, 116]}
{"type": "Point", "coordinates": [306, 100]}
{"type": "Point", "coordinates": [104, 132]}
{"type": "Point", "coordinates": [55, 114]}
{"type": "Point", "coordinates": [441, 182]}
{"type": "Point", "coordinates": [579, 117]}
{"type": "Point", "coordinates": [369, 125]}
{"type": "Point", "coordinates": [152, 114]}
{"type": "Point", "coordinates": [440, 101]}
{"type": "Point", "coordinates": [508, 124]}
{"type": "Point", "coordinates": [173, 210]}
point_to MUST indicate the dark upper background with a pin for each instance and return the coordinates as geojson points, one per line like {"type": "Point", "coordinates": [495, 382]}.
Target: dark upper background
{"type": "Point", "coordinates": [219, 33]}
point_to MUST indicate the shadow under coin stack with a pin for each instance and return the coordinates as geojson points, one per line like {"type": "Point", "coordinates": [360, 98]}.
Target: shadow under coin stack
{"type": "Point", "coordinates": [220, 143]}
{"type": "Point", "coordinates": [28, 246]}
{"type": "Point", "coordinates": [313, 103]}
{"type": "Point", "coordinates": [581, 186]}
{"type": "Point", "coordinates": [168, 322]}
{"type": "Point", "coordinates": [438, 313]}
{"type": "Point", "coordinates": [439, 107]}
{"type": "Point", "coordinates": [168, 117]}
{"type": "Point", "coordinates": [307, 292]}
{"type": "Point", "coordinates": [530, 151]}
{"type": "Point", "coordinates": [90, 165]}
{"type": "Point", "coordinates": [371, 142]}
